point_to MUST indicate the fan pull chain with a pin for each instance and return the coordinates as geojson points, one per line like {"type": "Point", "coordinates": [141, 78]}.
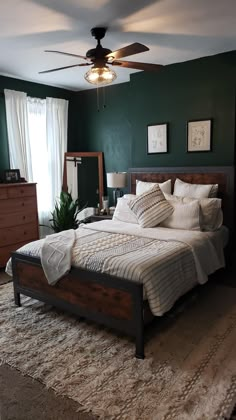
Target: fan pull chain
{"type": "Point", "coordinates": [104, 98]}
{"type": "Point", "coordinates": [98, 110]}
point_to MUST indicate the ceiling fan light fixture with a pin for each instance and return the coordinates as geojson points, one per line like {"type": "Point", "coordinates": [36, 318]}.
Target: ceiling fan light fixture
{"type": "Point", "coordinates": [100, 75]}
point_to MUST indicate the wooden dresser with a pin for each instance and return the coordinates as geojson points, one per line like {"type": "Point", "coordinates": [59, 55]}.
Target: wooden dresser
{"type": "Point", "coordinates": [18, 217]}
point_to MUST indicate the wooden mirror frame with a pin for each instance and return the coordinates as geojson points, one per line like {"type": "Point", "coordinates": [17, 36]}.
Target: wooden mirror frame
{"type": "Point", "coordinates": [99, 155]}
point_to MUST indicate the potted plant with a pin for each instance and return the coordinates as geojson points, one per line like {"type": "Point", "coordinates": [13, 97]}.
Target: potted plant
{"type": "Point", "coordinates": [64, 215]}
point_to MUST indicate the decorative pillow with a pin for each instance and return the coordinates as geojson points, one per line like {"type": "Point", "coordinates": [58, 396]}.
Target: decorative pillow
{"type": "Point", "coordinates": [122, 211]}
{"type": "Point", "coordinates": [184, 189]}
{"type": "Point", "coordinates": [211, 216]}
{"type": "Point", "coordinates": [130, 196]}
{"type": "Point", "coordinates": [211, 212]}
{"type": "Point", "coordinates": [142, 186]}
{"type": "Point", "coordinates": [185, 216]}
{"type": "Point", "coordinates": [151, 207]}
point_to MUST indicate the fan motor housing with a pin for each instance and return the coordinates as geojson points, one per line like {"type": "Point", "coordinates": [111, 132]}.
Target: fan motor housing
{"type": "Point", "coordinates": [97, 52]}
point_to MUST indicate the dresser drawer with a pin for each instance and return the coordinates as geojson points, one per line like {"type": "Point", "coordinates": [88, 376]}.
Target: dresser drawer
{"type": "Point", "coordinates": [21, 191]}
{"type": "Point", "coordinates": [5, 252]}
{"type": "Point", "coordinates": [13, 235]}
{"type": "Point", "coordinates": [3, 193]}
{"type": "Point", "coordinates": [15, 205]}
{"type": "Point", "coordinates": [19, 218]}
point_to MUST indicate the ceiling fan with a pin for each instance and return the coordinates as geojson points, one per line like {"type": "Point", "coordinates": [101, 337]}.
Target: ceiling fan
{"type": "Point", "coordinates": [99, 58]}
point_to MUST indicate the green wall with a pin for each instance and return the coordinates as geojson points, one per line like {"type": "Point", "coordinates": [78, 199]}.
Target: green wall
{"type": "Point", "coordinates": [35, 90]}
{"type": "Point", "coordinates": [198, 89]}
{"type": "Point", "coordinates": [108, 129]}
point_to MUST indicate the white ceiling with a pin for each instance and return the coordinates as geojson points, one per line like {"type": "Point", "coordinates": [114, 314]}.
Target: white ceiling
{"type": "Point", "coordinates": [174, 30]}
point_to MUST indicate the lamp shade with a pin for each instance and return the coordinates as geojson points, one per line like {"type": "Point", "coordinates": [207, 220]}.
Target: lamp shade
{"type": "Point", "coordinates": [116, 179]}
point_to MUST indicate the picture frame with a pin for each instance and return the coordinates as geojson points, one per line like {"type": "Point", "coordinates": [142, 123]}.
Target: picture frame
{"type": "Point", "coordinates": [11, 176]}
{"type": "Point", "coordinates": [157, 138]}
{"type": "Point", "coordinates": [199, 135]}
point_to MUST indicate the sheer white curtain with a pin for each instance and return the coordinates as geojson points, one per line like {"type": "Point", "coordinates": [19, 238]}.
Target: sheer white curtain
{"type": "Point", "coordinates": [56, 128]}
{"type": "Point", "coordinates": [37, 132]}
{"type": "Point", "coordinates": [39, 158]}
{"type": "Point", "coordinates": [18, 133]}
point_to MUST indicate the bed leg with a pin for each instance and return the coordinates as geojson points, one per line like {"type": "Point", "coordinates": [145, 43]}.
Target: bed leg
{"type": "Point", "coordinates": [17, 298]}
{"type": "Point", "coordinates": [139, 352]}
{"type": "Point", "coordinates": [139, 321]}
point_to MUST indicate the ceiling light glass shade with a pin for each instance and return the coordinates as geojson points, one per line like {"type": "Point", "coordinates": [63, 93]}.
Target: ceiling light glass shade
{"type": "Point", "coordinates": [100, 75]}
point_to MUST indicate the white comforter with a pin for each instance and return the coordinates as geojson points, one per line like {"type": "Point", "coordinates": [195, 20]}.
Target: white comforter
{"type": "Point", "coordinates": [170, 276]}
{"type": "Point", "coordinates": [207, 247]}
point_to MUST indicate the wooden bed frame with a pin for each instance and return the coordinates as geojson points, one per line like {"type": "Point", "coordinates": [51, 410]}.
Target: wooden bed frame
{"type": "Point", "coordinates": [106, 299]}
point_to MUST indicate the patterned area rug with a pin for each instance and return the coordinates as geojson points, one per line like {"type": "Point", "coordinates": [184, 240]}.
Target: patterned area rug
{"type": "Point", "coordinates": [189, 371]}
{"type": "Point", "coordinates": [4, 278]}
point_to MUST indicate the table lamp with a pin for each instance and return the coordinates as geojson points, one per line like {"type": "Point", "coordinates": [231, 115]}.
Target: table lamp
{"type": "Point", "coordinates": [116, 180]}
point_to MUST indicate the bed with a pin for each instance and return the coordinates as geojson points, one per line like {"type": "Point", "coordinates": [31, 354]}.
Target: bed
{"type": "Point", "coordinates": [106, 298]}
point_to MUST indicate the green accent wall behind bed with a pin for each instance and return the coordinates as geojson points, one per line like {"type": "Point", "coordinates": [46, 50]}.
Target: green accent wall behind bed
{"type": "Point", "coordinates": [198, 89]}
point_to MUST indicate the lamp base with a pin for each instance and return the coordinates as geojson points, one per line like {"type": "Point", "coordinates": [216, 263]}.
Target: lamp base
{"type": "Point", "coordinates": [117, 193]}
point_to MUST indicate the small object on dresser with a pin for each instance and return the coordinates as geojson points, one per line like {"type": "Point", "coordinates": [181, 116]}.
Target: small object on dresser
{"type": "Point", "coordinates": [11, 176]}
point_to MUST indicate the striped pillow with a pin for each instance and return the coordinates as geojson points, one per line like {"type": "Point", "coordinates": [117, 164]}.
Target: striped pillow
{"type": "Point", "coordinates": [151, 207]}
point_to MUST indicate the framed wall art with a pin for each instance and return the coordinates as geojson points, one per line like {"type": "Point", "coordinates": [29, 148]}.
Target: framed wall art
{"type": "Point", "coordinates": [11, 175]}
{"type": "Point", "coordinates": [199, 136]}
{"type": "Point", "coordinates": [157, 138]}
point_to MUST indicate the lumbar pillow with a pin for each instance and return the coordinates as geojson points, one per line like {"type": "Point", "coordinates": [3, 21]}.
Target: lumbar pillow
{"type": "Point", "coordinates": [142, 186]}
{"type": "Point", "coordinates": [211, 216]}
{"type": "Point", "coordinates": [185, 216]}
{"type": "Point", "coordinates": [122, 211]}
{"type": "Point", "coordinates": [151, 207]}
{"type": "Point", "coordinates": [184, 189]}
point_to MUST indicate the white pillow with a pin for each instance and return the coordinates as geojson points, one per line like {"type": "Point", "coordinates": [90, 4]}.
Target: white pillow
{"type": "Point", "coordinates": [211, 212]}
{"type": "Point", "coordinates": [130, 196]}
{"type": "Point", "coordinates": [185, 216]}
{"type": "Point", "coordinates": [142, 186]}
{"type": "Point", "coordinates": [151, 207]}
{"type": "Point", "coordinates": [211, 216]}
{"type": "Point", "coordinates": [122, 211]}
{"type": "Point", "coordinates": [184, 189]}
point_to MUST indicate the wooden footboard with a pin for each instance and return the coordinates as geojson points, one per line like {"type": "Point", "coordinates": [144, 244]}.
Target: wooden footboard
{"type": "Point", "coordinates": [99, 297]}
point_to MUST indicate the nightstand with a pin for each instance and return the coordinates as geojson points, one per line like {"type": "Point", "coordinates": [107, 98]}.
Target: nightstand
{"type": "Point", "coordinates": [99, 217]}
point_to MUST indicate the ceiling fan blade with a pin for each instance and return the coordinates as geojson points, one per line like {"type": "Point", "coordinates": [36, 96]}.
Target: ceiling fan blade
{"type": "Point", "coordinates": [128, 50]}
{"type": "Point", "coordinates": [66, 67]}
{"type": "Point", "coordinates": [137, 65]}
{"type": "Point", "coordinates": [64, 53]}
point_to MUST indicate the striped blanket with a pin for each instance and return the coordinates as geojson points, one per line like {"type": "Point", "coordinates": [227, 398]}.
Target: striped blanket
{"type": "Point", "coordinates": [167, 268]}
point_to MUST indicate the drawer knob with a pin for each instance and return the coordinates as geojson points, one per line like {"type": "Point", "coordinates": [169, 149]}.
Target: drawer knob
{"type": "Point", "coordinates": [23, 217]}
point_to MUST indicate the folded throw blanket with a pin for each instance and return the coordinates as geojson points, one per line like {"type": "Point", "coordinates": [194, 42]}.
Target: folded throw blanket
{"type": "Point", "coordinates": [56, 255]}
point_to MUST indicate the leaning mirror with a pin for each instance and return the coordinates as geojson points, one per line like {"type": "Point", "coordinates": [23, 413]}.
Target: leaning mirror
{"type": "Point", "coordinates": [83, 177]}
